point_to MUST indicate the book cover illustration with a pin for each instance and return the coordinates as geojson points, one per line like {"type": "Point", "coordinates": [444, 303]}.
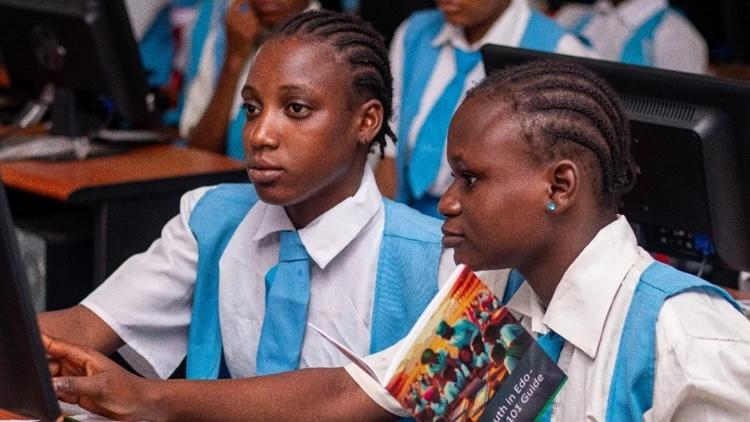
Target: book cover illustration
{"type": "Point", "coordinates": [469, 359]}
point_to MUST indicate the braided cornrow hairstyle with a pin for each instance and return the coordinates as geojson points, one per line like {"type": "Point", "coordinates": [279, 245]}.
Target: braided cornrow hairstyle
{"type": "Point", "coordinates": [566, 110]}
{"type": "Point", "coordinates": [362, 47]}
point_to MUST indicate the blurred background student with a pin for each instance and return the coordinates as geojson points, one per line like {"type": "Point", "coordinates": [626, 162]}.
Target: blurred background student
{"type": "Point", "coordinates": [642, 32]}
{"type": "Point", "coordinates": [225, 36]}
{"type": "Point", "coordinates": [435, 59]}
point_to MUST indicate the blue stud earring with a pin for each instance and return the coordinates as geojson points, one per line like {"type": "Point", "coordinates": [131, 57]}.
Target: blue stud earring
{"type": "Point", "coordinates": [551, 206]}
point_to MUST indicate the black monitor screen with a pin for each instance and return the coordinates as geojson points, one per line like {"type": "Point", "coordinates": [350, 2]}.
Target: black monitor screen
{"type": "Point", "coordinates": [85, 49]}
{"type": "Point", "coordinates": [25, 383]}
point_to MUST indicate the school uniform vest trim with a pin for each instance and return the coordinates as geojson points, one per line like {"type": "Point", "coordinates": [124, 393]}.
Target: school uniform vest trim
{"type": "Point", "coordinates": [157, 49]}
{"type": "Point", "coordinates": [420, 58]}
{"type": "Point", "coordinates": [632, 387]}
{"type": "Point", "coordinates": [405, 283]}
{"type": "Point", "coordinates": [639, 48]}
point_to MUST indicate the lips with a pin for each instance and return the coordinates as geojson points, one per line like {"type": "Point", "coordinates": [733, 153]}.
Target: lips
{"type": "Point", "coordinates": [449, 7]}
{"type": "Point", "coordinates": [451, 237]}
{"type": "Point", "coordinates": [263, 173]}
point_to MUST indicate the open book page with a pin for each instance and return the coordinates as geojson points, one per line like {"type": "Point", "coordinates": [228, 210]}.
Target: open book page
{"type": "Point", "coordinates": [347, 352]}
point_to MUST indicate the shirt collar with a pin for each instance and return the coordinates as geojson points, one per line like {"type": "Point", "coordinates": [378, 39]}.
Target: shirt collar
{"type": "Point", "coordinates": [582, 300]}
{"type": "Point", "coordinates": [508, 29]}
{"type": "Point", "coordinates": [632, 12]}
{"type": "Point", "coordinates": [326, 236]}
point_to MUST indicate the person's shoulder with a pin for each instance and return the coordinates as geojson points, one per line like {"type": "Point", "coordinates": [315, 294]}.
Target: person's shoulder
{"type": "Point", "coordinates": [677, 30]}
{"type": "Point", "coordinates": [570, 14]}
{"type": "Point", "coordinates": [404, 221]}
{"type": "Point", "coordinates": [226, 197]}
{"type": "Point", "coordinates": [700, 315]}
{"type": "Point", "coordinates": [190, 198]}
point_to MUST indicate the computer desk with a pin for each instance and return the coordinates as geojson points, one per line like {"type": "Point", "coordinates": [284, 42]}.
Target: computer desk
{"type": "Point", "coordinates": [123, 200]}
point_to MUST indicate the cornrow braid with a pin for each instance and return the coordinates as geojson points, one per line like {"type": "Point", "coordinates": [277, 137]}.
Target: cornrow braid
{"type": "Point", "coordinates": [362, 47]}
{"type": "Point", "coordinates": [564, 110]}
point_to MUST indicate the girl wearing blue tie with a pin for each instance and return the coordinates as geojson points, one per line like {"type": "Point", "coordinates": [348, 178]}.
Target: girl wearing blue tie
{"type": "Point", "coordinates": [641, 32]}
{"type": "Point", "coordinates": [434, 59]}
{"type": "Point", "coordinates": [237, 275]}
{"type": "Point", "coordinates": [541, 156]}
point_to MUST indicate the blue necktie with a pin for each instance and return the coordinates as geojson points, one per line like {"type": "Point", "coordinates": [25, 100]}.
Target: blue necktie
{"type": "Point", "coordinates": [428, 150]}
{"type": "Point", "coordinates": [287, 296]}
{"type": "Point", "coordinates": [552, 344]}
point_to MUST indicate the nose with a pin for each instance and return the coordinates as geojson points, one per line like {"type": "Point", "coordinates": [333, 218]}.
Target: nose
{"type": "Point", "coordinates": [450, 205]}
{"type": "Point", "coordinates": [259, 132]}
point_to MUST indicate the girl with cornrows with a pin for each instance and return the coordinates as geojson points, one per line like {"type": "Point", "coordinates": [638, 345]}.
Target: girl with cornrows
{"type": "Point", "coordinates": [237, 275]}
{"type": "Point", "coordinates": [541, 156]}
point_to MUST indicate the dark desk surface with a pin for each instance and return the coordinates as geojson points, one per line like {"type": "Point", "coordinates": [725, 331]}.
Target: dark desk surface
{"type": "Point", "coordinates": [113, 176]}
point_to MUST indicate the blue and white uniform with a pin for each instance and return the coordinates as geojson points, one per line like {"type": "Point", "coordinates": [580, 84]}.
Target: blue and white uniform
{"type": "Point", "coordinates": [150, 21]}
{"type": "Point", "coordinates": [149, 300]}
{"type": "Point", "coordinates": [642, 32]}
{"type": "Point", "coordinates": [702, 343]}
{"type": "Point", "coordinates": [423, 60]}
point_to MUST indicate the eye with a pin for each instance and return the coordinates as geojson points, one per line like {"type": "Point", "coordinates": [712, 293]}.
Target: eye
{"type": "Point", "coordinates": [251, 110]}
{"type": "Point", "coordinates": [298, 110]}
{"type": "Point", "coordinates": [468, 178]}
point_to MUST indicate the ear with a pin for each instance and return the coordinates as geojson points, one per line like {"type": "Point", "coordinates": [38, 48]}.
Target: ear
{"type": "Point", "coordinates": [563, 178]}
{"type": "Point", "coordinates": [369, 121]}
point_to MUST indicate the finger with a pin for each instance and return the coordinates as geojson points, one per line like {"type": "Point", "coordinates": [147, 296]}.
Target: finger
{"type": "Point", "coordinates": [76, 355]}
{"type": "Point", "coordinates": [53, 366]}
{"type": "Point", "coordinates": [77, 386]}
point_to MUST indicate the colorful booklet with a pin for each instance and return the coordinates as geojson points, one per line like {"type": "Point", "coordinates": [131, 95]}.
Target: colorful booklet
{"type": "Point", "coordinates": [468, 359]}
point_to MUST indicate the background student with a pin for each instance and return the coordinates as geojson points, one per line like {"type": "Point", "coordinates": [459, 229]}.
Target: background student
{"type": "Point", "coordinates": [435, 59]}
{"type": "Point", "coordinates": [642, 32]}
{"type": "Point", "coordinates": [232, 284]}
{"type": "Point", "coordinates": [225, 36]}
{"type": "Point", "coordinates": [541, 156]}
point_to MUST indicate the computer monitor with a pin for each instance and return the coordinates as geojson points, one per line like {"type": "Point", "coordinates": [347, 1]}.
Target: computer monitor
{"type": "Point", "coordinates": [25, 383]}
{"type": "Point", "coordinates": [690, 143]}
{"type": "Point", "coordinates": [85, 49]}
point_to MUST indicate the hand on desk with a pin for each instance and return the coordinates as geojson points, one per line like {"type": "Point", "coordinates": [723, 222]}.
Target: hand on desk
{"type": "Point", "coordinates": [85, 377]}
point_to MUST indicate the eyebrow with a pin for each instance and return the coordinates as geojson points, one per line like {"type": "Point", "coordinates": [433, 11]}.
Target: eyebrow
{"type": "Point", "coordinates": [286, 89]}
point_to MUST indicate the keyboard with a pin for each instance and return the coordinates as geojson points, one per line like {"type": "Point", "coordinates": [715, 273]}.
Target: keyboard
{"type": "Point", "coordinates": [55, 148]}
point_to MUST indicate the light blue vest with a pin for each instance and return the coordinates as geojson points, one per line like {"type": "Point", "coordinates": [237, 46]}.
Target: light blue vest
{"type": "Point", "coordinates": [420, 58]}
{"type": "Point", "coordinates": [157, 49]}
{"type": "Point", "coordinates": [406, 280]}
{"type": "Point", "coordinates": [632, 387]}
{"type": "Point", "coordinates": [638, 49]}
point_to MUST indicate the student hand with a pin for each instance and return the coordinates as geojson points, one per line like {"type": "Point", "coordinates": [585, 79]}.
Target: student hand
{"type": "Point", "coordinates": [85, 377]}
{"type": "Point", "coordinates": [243, 30]}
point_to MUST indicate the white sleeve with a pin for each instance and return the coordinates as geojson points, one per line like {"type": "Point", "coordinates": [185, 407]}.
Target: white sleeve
{"type": "Point", "coordinates": [570, 14]}
{"type": "Point", "coordinates": [396, 57]}
{"type": "Point", "coordinates": [378, 362]}
{"type": "Point", "coordinates": [679, 46]}
{"type": "Point", "coordinates": [702, 361]}
{"type": "Point", "coordinates": [147, 300]}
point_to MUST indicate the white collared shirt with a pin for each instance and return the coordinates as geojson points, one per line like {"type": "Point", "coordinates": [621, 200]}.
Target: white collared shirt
{"type": "Point", "coordinates": [147, 301]}
{"type": "Point", "coordinates": [702, 343]}
{"type": "Point", "coordinates": [508, 30]}
{"type": "Point", "coordinates": [677, 45]}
